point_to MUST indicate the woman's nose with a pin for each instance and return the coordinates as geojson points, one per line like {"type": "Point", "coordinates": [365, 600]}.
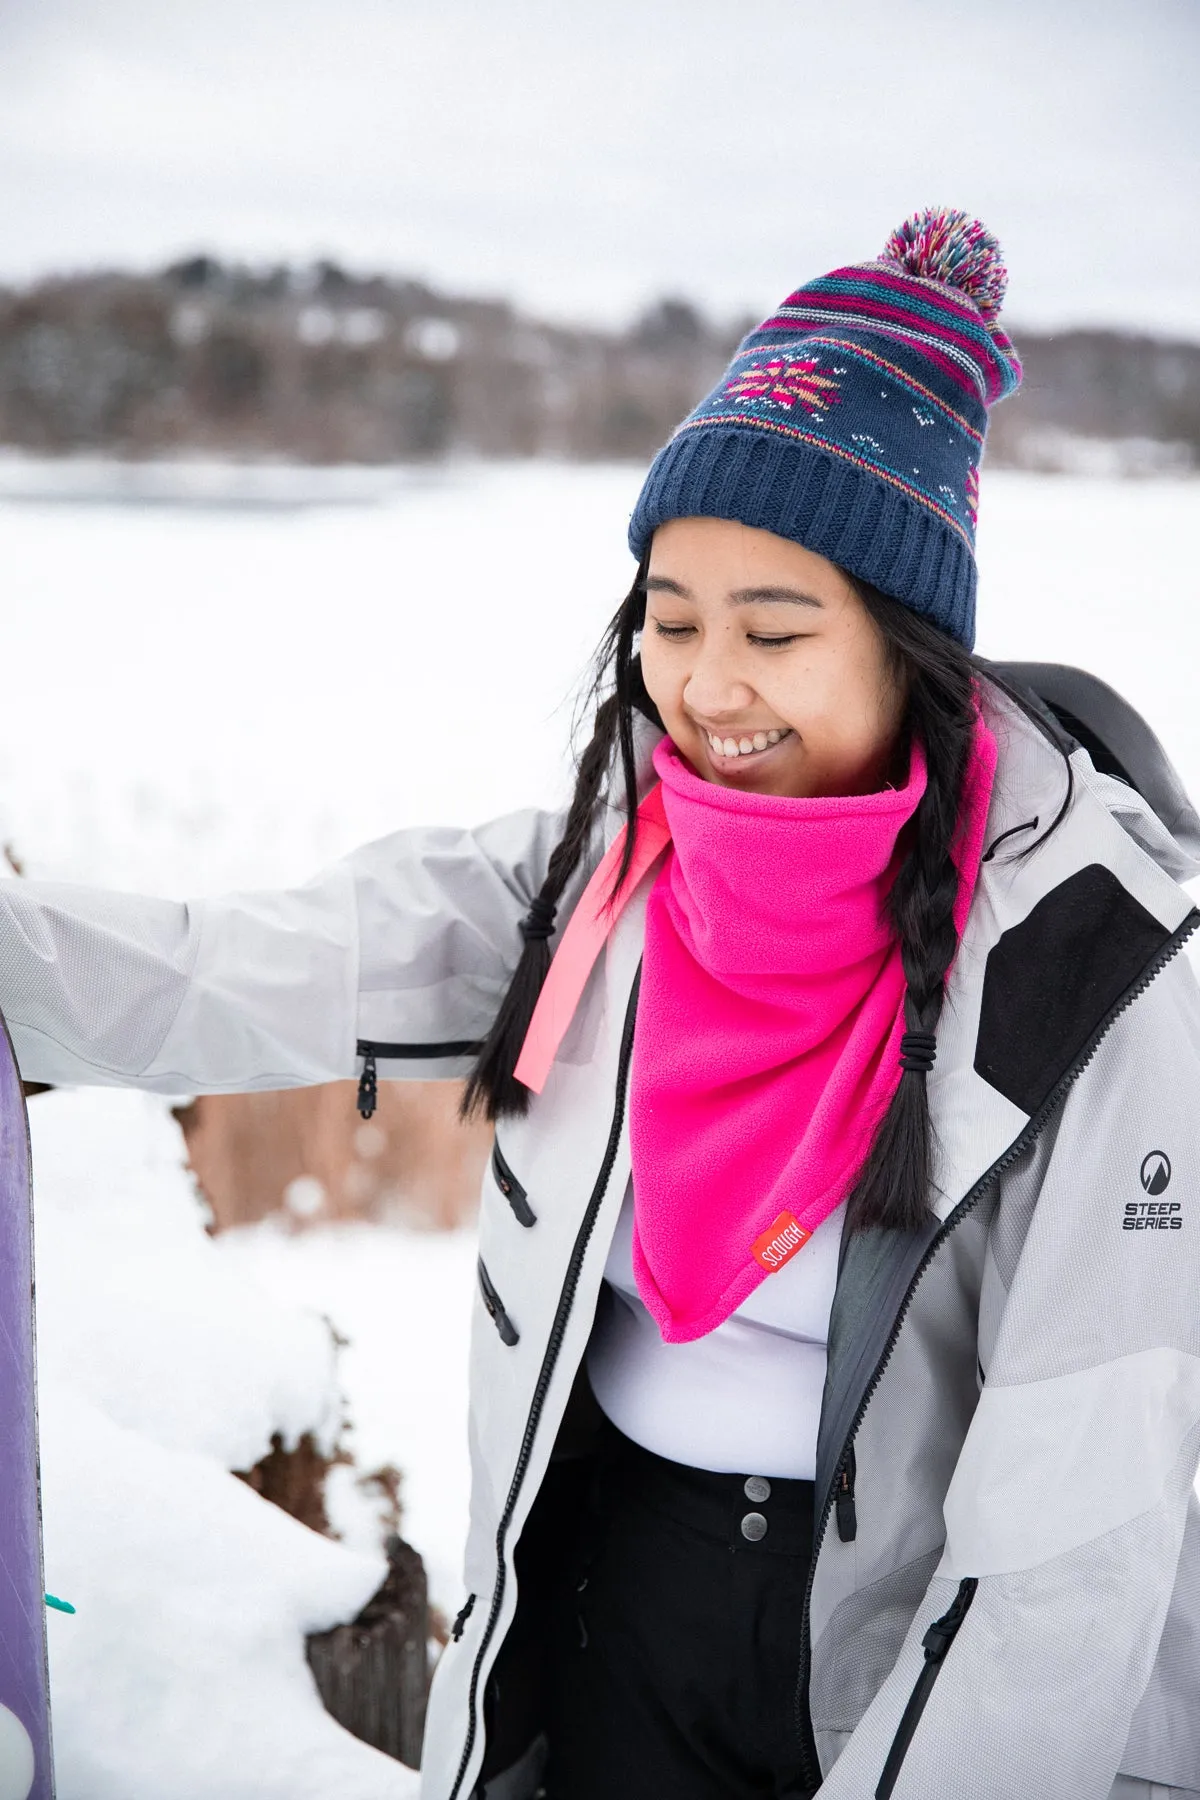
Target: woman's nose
{"type": "Point", "coordinates": [714, 685]}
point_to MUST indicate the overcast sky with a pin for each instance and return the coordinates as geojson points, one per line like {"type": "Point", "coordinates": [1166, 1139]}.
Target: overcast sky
{"type": "Point", "coordinates": [583, 156]}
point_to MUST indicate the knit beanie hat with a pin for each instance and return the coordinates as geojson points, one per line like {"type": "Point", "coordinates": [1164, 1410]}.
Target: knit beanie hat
{"type": "Point", "coordinates": [853, 419]}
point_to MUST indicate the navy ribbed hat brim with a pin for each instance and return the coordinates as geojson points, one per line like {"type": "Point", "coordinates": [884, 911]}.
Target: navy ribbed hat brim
{"type": "Point", "coordinates": [834, 508]}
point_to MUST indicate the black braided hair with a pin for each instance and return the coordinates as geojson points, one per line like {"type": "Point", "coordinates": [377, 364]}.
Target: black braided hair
{"type": "Point", "coordinates": [894, 1185]}
{"type": "Point", "coordinates": [492, 1089]}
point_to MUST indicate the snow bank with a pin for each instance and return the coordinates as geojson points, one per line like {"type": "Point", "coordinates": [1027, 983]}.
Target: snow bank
{"type": "Point", "coordinates": [402, 1299]}
{"type": "Point", "coordinates": [137, 1310]}
{"type": "Point", "coordinates": [163, 1365]}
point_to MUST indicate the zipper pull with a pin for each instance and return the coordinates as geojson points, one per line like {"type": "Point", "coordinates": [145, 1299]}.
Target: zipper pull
{"type": "Point", "coordinates": [495, 1308]}
{"type": "Point", "coordinates": [368, 1087]}
{"type": "Point", "coordinates": [937, 1641]}
{"type": "Point", "coordinates": [844, 1507]}
{"type": "Point", "coordinates": [460, 1622]}
{"type": "Point", "coordinates": [943, 1631]}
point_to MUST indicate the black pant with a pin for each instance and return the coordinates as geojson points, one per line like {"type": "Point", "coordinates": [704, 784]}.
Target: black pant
{"type": "Point", "coordinates": [674, 1636]}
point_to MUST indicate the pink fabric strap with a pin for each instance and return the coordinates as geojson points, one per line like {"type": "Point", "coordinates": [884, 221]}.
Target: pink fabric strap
{"type": "Point", "coordinates": [583, 939]}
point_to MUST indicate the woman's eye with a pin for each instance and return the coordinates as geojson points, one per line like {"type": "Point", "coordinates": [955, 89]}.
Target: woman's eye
{"type": "Point", "coordinates": [662, 629]}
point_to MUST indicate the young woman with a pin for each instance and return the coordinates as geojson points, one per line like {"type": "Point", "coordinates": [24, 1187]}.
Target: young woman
{"type": "Point", "coordinates": [836, 1367]}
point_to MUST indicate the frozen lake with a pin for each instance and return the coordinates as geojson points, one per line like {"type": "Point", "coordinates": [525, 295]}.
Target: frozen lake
{"type": "Point", "coordinates": [212, 694]}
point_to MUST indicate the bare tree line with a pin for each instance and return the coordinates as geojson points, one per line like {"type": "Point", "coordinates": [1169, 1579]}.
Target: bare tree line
{"type": "Point", "coordinates": [321, 366]}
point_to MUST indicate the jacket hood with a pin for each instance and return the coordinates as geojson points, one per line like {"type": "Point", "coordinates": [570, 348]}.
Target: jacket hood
{"type": "Point", "coordinates": [1085, 713]}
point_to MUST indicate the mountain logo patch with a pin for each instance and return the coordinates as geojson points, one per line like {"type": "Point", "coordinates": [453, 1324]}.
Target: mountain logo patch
{"type": "Point", "coordinates": [1156, 1172]}
{"type": "Point", "coordinates": [1154, 1214]}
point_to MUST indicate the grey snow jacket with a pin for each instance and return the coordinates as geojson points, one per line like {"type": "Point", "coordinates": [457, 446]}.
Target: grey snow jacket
{"type": "Point", "coordinates": [1005, 1595]}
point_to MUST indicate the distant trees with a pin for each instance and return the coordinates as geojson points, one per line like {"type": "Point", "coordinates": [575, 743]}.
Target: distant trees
{"type": "Point", "coordinates": [1137, 392]}
{"type": "Point", "coordinates": [320, 365]}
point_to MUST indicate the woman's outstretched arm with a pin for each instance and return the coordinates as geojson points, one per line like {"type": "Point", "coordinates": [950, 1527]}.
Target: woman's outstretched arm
{"type": "Point", "coordinates": [411, 939]}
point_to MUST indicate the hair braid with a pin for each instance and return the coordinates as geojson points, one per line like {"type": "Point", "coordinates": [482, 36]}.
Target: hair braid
{"type": "Point", "coordinates": [894, 1184]}
{"type": "Point", "coordinates": [492, 1089]}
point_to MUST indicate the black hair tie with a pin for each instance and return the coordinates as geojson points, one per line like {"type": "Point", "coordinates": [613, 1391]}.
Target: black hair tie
{"type": "Point", "coordinates": [538, 923]}
{"type": "Point", "coordinates": [917, 1052]}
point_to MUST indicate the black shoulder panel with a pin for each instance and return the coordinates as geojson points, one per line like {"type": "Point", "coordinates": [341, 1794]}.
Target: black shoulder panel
{"type": "Point", "coordinates": [1053, 979]}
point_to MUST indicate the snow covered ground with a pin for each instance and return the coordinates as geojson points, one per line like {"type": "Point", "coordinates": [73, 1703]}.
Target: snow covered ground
{"type": "Point", "coordinates": [163, 1365]}
{"type": "Point", "coordinates": [402, 1300]}
{"type": "Point", "coordinates": [200, 694]}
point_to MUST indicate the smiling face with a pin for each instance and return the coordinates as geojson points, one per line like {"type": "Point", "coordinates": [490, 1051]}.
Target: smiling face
{"type": "Point", "coordinates": [768, 671]}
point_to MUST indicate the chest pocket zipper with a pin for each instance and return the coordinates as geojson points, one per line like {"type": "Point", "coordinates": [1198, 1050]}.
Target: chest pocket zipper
{"type": "Point", "coordinates": [368, 1081]}
{"type": "Point", "coordinates": [511, 1188]}
{"type": "Point", "coordinates": [936, 1642]}
{"type": "Point", "coordinates": [495, 1307]}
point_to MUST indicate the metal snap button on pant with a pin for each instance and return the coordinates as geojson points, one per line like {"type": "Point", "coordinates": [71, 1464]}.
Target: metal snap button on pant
{"type": "Point", "coordinates": [754, 1525]}
{"type": "Point", "coordinates": [779, 1508]}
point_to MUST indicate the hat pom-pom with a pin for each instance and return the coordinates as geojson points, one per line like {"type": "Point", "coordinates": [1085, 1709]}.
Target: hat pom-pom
{"type": "Point", "coordinates": [942, 245]}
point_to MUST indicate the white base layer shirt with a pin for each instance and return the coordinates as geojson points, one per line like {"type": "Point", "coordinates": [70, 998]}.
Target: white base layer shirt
{"type": "Point", "coordinates": [745, 1399]}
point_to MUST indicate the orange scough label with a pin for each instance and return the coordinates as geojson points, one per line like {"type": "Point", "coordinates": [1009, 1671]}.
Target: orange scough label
{"type": "Point", "coordinates": [780, 1241]}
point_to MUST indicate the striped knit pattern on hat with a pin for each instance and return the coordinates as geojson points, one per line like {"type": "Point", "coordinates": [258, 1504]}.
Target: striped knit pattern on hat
{"type": "Point", "coordinates": [853, 420]}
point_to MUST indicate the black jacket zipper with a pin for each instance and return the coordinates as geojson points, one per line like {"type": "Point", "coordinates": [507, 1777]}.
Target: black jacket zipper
{"type": "Point", "coordinates": [844, 1507]}
{"type": "Point", "coordinates": [810, 1761]}
{"type": "Point", "coordinates": [566, 1301]}
{"type": "Point", "coordinates": [368, 1085]}
{"type": "Point", "coordinates": [936, 1643]}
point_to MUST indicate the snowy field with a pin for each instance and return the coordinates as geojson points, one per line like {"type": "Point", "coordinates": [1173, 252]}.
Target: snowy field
{"type": "Point", "coordinates": [209, 686]}
{"type": "Point", "coordinates": [207, 694]}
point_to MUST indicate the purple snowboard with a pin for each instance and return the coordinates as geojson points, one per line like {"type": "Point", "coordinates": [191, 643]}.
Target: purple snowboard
{"type": "Point", "coordinates": [26, 1768]}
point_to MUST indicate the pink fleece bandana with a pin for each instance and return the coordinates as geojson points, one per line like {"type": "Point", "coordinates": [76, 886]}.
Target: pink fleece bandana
{"type": "Point", "coordinates": [768, 1026]}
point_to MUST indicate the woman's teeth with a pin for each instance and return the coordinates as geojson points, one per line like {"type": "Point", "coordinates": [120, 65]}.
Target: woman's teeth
{"type": "Point", "coordinates": [744, 746]}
